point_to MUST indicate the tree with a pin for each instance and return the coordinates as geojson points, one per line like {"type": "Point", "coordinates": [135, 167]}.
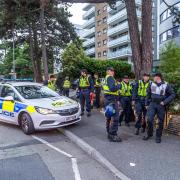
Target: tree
{"type": "Point", "coordinates": [23, 63]}
{"type": "Point", "coordinates": [53, 28]}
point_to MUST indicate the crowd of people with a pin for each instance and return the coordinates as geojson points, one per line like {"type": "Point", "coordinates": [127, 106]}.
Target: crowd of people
{"type": "Point", "coordinates": [148, 99]}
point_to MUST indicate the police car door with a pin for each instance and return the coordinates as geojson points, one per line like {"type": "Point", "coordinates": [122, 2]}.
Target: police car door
{"type": "Point", "coordinates": [7, 106]}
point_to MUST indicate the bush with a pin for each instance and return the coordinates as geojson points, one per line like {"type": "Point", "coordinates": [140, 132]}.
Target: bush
{"type": "Point", "coordinates": [170, 67]}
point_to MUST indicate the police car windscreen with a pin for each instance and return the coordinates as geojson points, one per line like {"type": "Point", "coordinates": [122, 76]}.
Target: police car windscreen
{"type": "Point", "coordinates": [35, 92]}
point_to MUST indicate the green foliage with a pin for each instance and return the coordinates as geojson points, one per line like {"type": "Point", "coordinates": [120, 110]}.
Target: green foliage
{"type": "Point", "coordinates": [74, 60]}
{"type": "Point", "coordinates": [170, 67]}
{"type": "Point", "coordinates": [22, 61]}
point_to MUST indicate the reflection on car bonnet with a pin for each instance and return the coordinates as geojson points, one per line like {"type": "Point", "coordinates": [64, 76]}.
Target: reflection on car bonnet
{"type": "Point", "coordinates": [62, 102]}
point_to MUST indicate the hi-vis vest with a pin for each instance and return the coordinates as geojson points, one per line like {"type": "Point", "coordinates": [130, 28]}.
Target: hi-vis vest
{"type": "Point", "coordinates": [52, 85]}
{"type": "Point", "coordinates": [97, 84]}
{"type": "Point", "coordinates": [158, 90]}
{"type": "Point", "coordinates": [125, 89]}
{"type": "Point", "coordinates": [84, 82]}
{"type": "Point", "coordinates": [106, 87]}
{"type": "Point", "coordinates": [142, 88]}
{"type": "Point", "coordinates": [66, 84]}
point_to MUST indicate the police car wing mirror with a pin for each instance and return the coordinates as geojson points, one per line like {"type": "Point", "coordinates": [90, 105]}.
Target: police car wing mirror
{"type": "Point", "coordinates": [8, 98]}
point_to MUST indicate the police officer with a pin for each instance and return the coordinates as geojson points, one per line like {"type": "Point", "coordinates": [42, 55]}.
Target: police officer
{"type": "Point", "coordinates": [111, 88]}
{"type": "Point", "coordinates": [86, 87]}
{"type": "Point", "coordinates": [159, 95]}
{"type": "Point", "coordinates": [139, 96]}
{"type": "Point", "coordinates": [125, 100]}
{"type": "Point", "coordinates": [66, 87]}
{"type": "Point", "coordinates": [52, 83]}
{"type": "Point", "coordinates": [97, 86]}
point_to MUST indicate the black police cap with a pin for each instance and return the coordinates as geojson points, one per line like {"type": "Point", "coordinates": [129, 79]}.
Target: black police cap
{"type": "Point", "coordinates": [158, 75]}
{"type": "Point", "coordinates": [126, 77]}
{"type": "Point", "coordinates": [146, 74]}
{"type": "Point", "coordinates": [110, 69]}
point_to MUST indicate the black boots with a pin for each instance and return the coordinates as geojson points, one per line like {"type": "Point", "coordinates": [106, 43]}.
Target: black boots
{"type": "Point", "coordinates": [114, 138]}
{"type": "Point", "coordinates": [158, 140]}
{"type": "Point", "coordinates": [137, 132]}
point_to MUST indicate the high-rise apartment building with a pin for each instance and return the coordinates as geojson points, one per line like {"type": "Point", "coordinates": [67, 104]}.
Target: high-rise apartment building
{"type": "Point", "coordinates": [106, 31]}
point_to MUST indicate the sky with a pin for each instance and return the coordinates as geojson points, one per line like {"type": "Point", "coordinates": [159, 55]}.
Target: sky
{"type": "Point", "coordinates": [77, 12]}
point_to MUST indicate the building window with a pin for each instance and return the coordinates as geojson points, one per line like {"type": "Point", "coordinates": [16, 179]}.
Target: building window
{"type": "Point", "coordinates": [99, 33]}
{"type": "Point", "coordinates": [99, 54]}
{"type": "Point", "coordinates": [99, 23]}
{"type": "Point", "coordinates": [99, 44]}
{"type": "Point", "coordinates": [105, 8]}
{"type": "Point", "coordinates": [170, 34]}
{"type": "Point", "coordinates": [99, 12]}
{"type": "Point", "coordinates": [104, 19]}
{"type": "Point", "coordinates": [105, 42]}
{"type": "Point", "coordinates": [104, 31]}
{"type": "Point", "coordinates": [104, 53]}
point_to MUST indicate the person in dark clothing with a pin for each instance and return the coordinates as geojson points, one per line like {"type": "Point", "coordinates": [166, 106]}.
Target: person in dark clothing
{"type": "Point", "coordinates": [138, 99]}
{"type": "Point", "coordinates": [86, 88]}
{"type": "Point", "coordinates": [125, 100]}
{"type": "Point", "coordinates": [159, 95]}
{"type": "Point", "coordinates": [111, 88]}
{"type": "Point", "coordinates": [97, 87]}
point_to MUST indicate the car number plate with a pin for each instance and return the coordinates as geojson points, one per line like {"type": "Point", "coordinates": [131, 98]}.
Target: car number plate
{"type": "Point", "coordinates": [71, 118]}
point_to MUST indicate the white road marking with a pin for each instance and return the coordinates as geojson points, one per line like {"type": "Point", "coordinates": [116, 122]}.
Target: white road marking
{"type": "Point", "coordinates": [132, 164]}
{"type": "Point", "coordinates": [73, 159]}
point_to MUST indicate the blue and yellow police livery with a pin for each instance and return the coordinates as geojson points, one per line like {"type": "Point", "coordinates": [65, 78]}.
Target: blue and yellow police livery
{"type": "Point", "coordinates": [36, 107]}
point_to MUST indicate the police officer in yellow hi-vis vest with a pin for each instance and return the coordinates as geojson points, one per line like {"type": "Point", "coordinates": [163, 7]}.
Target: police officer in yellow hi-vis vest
{"type": "Point", "coordinates": [66, 87]}
{"type": "Point", "coordinates": [111, 88]}
{"type": "Point", "coordinates": [139, 97]}
{"type": "Point", "coordinates": [52, 82]}
{"type": "Point", "coordinates": [97, 87]}
{"type": "Point", "coordinates": [125, 100]}
{"type": "Point", "coordinates": [86, 88]}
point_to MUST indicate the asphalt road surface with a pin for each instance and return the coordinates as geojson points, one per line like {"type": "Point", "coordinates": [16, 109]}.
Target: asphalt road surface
{"type": "Point", "coordinates": [46, 155]}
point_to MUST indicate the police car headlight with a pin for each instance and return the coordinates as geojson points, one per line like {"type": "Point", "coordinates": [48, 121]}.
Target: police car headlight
{"type": "Point", "coordinates": [44, 111]}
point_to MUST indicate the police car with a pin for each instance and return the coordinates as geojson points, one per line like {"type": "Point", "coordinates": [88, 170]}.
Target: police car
{"type": "Point", "coordinates": [33, 106]}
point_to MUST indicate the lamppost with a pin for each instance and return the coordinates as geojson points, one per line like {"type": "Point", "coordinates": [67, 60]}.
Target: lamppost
{"type": "Point", "coordinates": [14, 63]}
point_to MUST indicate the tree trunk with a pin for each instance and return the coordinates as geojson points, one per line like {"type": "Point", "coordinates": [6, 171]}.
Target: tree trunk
{"type": "Point", "coordinates": [36, 50]}
{"type": "Point", "coordinates": [134, 36]}
{"type": "Point", "coordinates": [44, 53]}
{"type": "Point", "coordinates": [32, 53]}
{"type": "Point", "coordinates": [147, 36]}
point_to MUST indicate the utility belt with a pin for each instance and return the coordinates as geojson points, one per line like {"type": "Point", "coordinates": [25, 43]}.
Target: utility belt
{"type": "Point", "coordinates": [142, 98]}
{"type": "Point", "coordinates": [85, 88]}
{"type": "Point", "coordinates": [157, 101]}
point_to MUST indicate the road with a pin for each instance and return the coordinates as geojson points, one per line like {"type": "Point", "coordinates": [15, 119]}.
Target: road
{"type": "Point", "coordinates": [45, 156]}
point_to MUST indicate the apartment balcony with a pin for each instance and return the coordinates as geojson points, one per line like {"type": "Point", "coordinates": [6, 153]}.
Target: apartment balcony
{"type": "Point", "coordinates": [120, 16]}
{"type": "Point", "coordinates": [118, 6]}
{"type": "Point", "coordinates": [88, 33]}
{"type": "Point", "coordinates": [87, 6]}
{"type": "Point", "coordinates": [90, 51]}
{"type": "Point", "coordinates": [118, 29]}
{"type": "Point", "coordinates": [89, 23]}
{"type": "Point", "coordinates": [89, 42]}
{"type": "Point", "coordinates": [90, 13]}
{"type": "Point", "coordinates": [120, 53]}
{"type": "Point", "coordinates": [119, 41]}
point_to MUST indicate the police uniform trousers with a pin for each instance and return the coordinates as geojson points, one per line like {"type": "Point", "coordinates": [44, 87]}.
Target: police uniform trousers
{"type": "Point", "coordinates": [153, 110]}
{"type": "Point", "coordinates": [127, 109]}
{"type": "Point", "coordinates": [97, 98]}
{"type": "Point", "coordinates": [141, 112]}
{"type": "Point", "coordinates": [112, 123]}
{"type": "Point", "coordinates": [85, 99]}
{"type": "Point", "coordinates": [66, 92]}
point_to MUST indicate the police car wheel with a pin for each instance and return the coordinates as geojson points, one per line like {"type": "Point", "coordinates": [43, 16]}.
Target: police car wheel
{"type": "Point", "coordinates": [26, 124]}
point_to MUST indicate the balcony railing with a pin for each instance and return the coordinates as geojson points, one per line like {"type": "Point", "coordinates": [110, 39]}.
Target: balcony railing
{"type": "Point", "coordinates": [89, 42]}
{"type": "Point", "coordinates": [88, 32]}
{"type": "Point", "coordinates": [89, 23]}
{"type": "Point", "coordinates": [117, 16]}
{"type": "Point", "coordinates": [89, 12]}
{"type": "Point", "coordinates": [120, 53]}
{"type": "Point", "coordinates": [90, 51]}
{"type": "Point", "coordinates": [119, 41]}
{"type": "Point", "coordinates": [117, 28]}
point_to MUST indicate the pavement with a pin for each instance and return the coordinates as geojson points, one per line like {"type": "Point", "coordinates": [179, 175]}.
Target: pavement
{"type": "Point", "coordinates": [135, 158]}
{"type": "Point", "coordinates": [47, 155]}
